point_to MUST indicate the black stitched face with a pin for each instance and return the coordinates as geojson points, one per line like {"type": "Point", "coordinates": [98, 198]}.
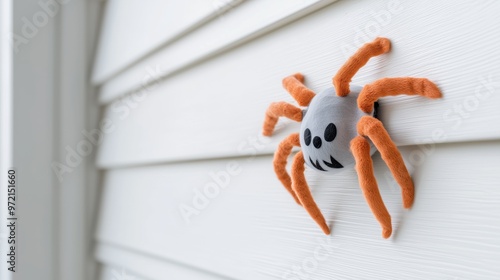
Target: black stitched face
{"type": "Point", "coordinates": [330, 132]}
{"type": "Point", "coordinates": [328, 127]}
{"type": "Point", "coordinates": [307, 136]}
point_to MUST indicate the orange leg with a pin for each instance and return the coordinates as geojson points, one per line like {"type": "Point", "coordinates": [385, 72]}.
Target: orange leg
{"type": "Point", "coordinates": [299, 185]}
{"type": "Point", "coordinates": [374, 129]}
{"type": "Point", "coordinates": [361, 151]}
{"type": "Point", "coordinates": [280, 159]}
{"type": "Point", "coordinates": [280, 109]}
{"type": "Point", "coordinates": [294, 85]}
{"type": "Point", "coordinates": [354, 63]}
{"type": "Point", "coordinates": [395, 86]}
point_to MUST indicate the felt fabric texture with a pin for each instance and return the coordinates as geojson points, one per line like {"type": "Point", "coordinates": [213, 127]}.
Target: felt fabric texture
{"type": "Point", "coordinates": [364, 167]}
{"type": "Point", "coordinates": [343, 77]}
{"type": "Point", "coordinates": [374, 129]}
{"type": "Point", "coordinates": [326, 110]}
{"type": "Point", "coordinates": [280, 159]}
{"type": "Point", "coordinates": [280, 109]}
{"type": "Point", "coordinates": [299, 185]}
{"type": "Point", "coordinates": [396, 86]}
{"type": "Point", "coordinates": [294, 85]}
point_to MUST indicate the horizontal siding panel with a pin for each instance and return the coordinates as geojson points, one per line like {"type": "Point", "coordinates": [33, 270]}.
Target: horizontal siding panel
{"type": "Point", "coordinates": [216, 109]}
{"type": "Point", "coordinates": [120, 262]}
{"type": "Point", "coordinates": [132, 28]}
{"type": "Point", "coordinates": [240, 25]}
{"type": "Point", "coordinates": [107, 272]}
{"type": "Point", "coordinates": [252, 229]}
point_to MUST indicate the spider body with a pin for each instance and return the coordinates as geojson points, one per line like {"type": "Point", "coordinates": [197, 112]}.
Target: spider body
{"type": "Point", "coordinates": [340, 129]}
{"type": "Point", "coordinates": [327, 128]}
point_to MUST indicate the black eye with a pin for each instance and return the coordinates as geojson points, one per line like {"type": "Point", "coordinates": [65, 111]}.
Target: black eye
{"type": "Point", "coordinates": [307, 136]}
{"type": "Point", "coordinates": [330, 132]}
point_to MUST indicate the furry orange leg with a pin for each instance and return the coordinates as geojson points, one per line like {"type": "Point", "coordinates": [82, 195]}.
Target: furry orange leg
{"type": "Point", "coordinates": [279, 109]}
{"type": "Point", "coordinates": [299, 185]}
{"type": "Point", "coordinates": [359, 59]}
{"type": "Point", "coordinates": [280, 159]}
{"type": "Point", "coordinates": [395, 86]}
{"type": "Point", "coordinates": [364, 166]}
{"type": "Point", "coordinates": [294, 85]}
{"type": "Point", "coordinates": [374, 129]}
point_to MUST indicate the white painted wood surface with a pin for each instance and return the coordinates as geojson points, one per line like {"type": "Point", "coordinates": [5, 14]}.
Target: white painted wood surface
{"type": "Point", "coordinates": [201, 107]}
{"type": "Point", "coordinates": [122, 262]}
{"type": "Point", "coordinates": [242, 24]}
{"type": "Point", "coordinates": [133, 28]}
{"type": "Point", "coordinates": [253, 230]}
{"type": "Point", "coordinates": [189, 116]}
{"type": "Point", "coordinates": [118, 273]}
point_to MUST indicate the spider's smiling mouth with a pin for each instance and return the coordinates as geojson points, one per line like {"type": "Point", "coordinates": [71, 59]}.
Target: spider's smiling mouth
{"type": "Point", "coordinates": [332, 164]}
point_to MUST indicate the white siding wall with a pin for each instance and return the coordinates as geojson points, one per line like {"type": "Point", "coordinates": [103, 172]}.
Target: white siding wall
{"type": "Point", "coordinates": [180, 110]}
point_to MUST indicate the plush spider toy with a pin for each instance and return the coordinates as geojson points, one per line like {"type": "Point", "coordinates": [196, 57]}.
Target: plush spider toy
{"type": "Point", "coordinates": [340, 129]}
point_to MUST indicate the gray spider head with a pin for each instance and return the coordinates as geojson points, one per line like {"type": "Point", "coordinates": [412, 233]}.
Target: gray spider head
{"type": "Point", "coordinates": [328, 126]}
